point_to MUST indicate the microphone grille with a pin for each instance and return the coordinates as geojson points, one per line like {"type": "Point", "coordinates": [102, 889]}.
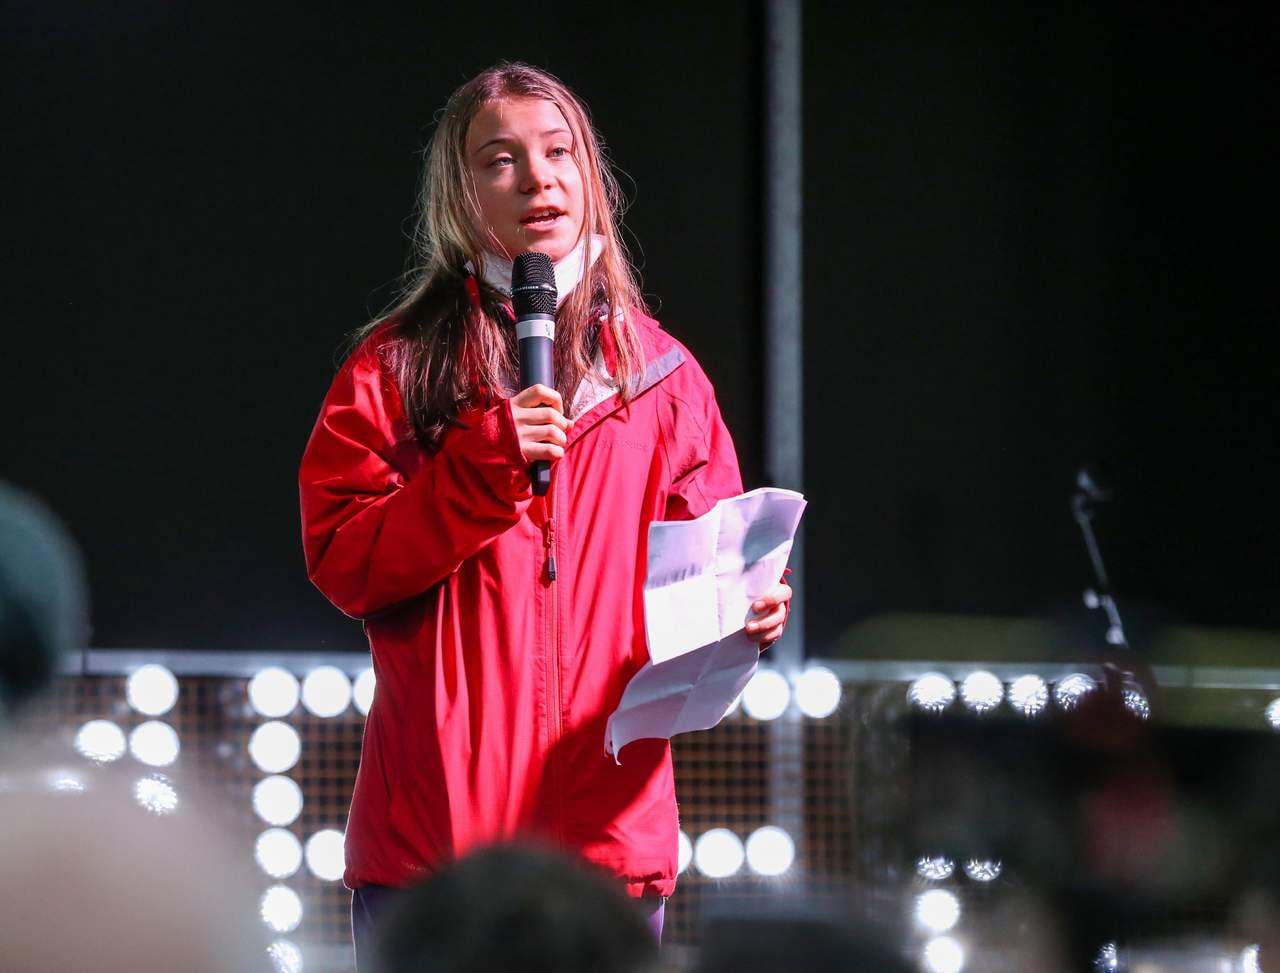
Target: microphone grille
{"type": "Point", "coordinates": [533, 284]}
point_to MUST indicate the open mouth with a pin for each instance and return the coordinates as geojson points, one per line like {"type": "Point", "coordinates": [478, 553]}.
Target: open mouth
{"type": "Point", "coordinates": [542, 217]}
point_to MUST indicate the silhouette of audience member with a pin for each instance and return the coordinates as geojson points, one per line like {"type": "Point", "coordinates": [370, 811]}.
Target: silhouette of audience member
{"type": "Point", "coordinates": [43, 600]}
{"type": "Point", "coordinates": [94, 882]}
{"type": "Point", "coordinates": [515, 908]}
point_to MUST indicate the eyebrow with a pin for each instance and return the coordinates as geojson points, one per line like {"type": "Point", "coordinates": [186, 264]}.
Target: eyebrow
{"type": "Point", "coordinates": [503, 139]}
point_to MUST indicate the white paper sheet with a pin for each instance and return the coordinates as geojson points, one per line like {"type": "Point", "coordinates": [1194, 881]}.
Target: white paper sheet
{"type": "Point", "coordinates": [702, 576]}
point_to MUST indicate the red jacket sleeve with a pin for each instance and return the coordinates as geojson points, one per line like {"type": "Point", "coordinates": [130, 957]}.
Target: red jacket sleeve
{"type": "Point", "coordinates": [706, 469]}
{"type": "Point", "coordinates": [704, 462]}
{"type": "Point", "coordinates": [381, 520]}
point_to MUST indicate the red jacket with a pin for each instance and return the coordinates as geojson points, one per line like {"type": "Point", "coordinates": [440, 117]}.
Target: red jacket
{"type": "Point", "coordinates": [494, 679]}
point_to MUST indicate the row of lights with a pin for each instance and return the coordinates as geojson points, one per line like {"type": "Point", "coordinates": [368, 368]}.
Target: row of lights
{"type": "Point", "coordinates": [326, 691]}
{"type": "Point", "coordinates": [939, 868]}
{"type": "Point", "coordinates": [1109, 960]}
{"type": "Point", "coordinates": [982, 691]}
{"type": "Point", "coordinates": [719, 853]}
{"type": "Point", "coordinates": [152, 792]}
{"type": "Point", "coordinates": [274, 692]}
{"type": "Point", "coordinates": [280, 854]}
{"type": "Point", "coordinates": [767, 695]}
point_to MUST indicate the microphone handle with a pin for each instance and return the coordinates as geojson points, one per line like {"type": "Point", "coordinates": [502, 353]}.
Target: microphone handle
{"type": "Point", "coordinates": [536, 334]}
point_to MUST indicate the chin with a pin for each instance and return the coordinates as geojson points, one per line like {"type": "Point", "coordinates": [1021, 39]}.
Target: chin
{"type": "Point", "coordinates": [552, 248]}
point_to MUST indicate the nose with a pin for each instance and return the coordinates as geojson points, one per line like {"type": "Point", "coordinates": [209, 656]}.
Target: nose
{"type": "Point", "coordinates": [537, 175]}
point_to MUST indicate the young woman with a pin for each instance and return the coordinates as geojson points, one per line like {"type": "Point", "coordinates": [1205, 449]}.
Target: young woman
{"type": "Point", "coordinates": [505, 627]}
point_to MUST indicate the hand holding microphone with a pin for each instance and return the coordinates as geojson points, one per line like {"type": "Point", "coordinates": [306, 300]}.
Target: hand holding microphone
{"type": "Point", "coordinates": [541, 427]}
{"type": "Point", "coordinates": [538, 409]}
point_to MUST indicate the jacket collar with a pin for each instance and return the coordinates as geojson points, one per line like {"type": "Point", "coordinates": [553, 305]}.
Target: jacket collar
{"type": "Point", "coordinates": [662, 356]}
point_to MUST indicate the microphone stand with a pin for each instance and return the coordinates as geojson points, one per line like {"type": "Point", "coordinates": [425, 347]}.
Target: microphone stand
{"type": "Point", "coordinates": [1083, 502]}
{"type": "Point", "coordinates": [1120, 677]}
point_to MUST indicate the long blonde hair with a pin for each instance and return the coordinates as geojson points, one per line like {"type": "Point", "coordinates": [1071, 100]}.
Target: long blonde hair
{"type": "Point", "coordinates": [444, 352]}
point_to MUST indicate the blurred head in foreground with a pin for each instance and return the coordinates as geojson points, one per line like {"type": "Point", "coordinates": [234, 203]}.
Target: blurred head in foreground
{"type": "Point", "coordinates": [43, 604]}
{"type": "Point", "coordinates": [512, 907]}
{"type": "Point", "coordinates": [92, 881]}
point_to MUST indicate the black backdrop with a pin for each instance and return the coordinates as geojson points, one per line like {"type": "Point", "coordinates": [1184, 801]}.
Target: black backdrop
{"type": "Point", "coordinates": [1033, 238]}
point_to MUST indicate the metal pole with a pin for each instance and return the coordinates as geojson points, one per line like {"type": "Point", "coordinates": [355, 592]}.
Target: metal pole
{"type": "Point", "coordinates": [783, 286]}
{"type": "Point", "coordinates": [784, 377]}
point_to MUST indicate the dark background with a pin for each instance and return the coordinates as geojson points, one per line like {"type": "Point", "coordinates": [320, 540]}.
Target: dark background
{"type": "Point", "coordinates": [1034, 238]}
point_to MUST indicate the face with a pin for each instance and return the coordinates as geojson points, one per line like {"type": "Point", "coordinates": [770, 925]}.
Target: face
{"type": "Point", "coordinates": [520, 153]}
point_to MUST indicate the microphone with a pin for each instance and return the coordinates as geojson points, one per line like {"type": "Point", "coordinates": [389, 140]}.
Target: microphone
{"type": "Point", "coordinates": [533, 295]}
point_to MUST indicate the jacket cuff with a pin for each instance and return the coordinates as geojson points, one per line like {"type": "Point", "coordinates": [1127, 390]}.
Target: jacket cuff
{"type": "Point", "coordinates": [487, 442]}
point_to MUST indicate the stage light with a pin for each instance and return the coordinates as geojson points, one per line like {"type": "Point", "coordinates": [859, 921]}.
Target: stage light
{"type": "Point", "coordinates": [155, 793]}
{"type": "Point", "coordinates": [932, 692]}
{"type": "Point", "coordinates": [981, 691]}
{"type": "Point", "coordinates": [278, 852]}
{"type": "Point", "coordinates": [943, 954]}
{"type": "Point", "coordinates": [766, 696]}
{"type": "Point", "coordinates": [362, 691]}
{"type": "Point", "coordinates": [280, 908]}
{"type": "Point", "coordinates": [1072, 689]}
{"type": "Point", "coordinates": [1250, 959]}
{"type": "Point", "coordinates": [152, 690]}
{"type": "Point", "coordinates": [277, 800]}
{"type": "Point", "coordinates": [1135, 700]}
{"type": "Point", "coordinates": [818, 692]}
{"type": "Point", "coordinates": [1029, 695]}
{"type": "Point", "coordinates": [935, 868]}
{"type": "Point", "coordinates": [770, 851]}
{"type": "Point", "coordinates": [326, 691]}
{"type": "Point", "coordinates": [983, 869]}
{"type": "Point", "coordinates": [285, 957]}
{"type": "Point", "coordinates": [684, 854]}
{"type": "Point", "coordinates": [154, 743]}
{"type": "Point", "coordinates": [937, 910]}
{"type": "Point", "coordinates": [1273, 714]}
{"type": "Point", "coordinates": [274, 692]}
{"type": "Point", "coordinates": [275, 747]}
{"type": "Point", "coordinates": [65, 781]}
{"type": "Point", "coordinates": [1108, 959]}
{"type": "Point", "coordinates": [101, 741]}
{"type": "Point", "coordinates": [718, 853]}
{"type": "Point", "coordinates": [325, 854]}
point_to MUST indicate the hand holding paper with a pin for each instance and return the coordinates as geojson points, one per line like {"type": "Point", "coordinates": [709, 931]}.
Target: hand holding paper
{"type": "Point", "coordinates": [702, 577]}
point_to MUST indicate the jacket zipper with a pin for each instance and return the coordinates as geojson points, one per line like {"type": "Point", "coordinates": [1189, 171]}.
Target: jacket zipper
{"type": "Point", "coordinates": [550, 534]}
{"type": "Point", "coordinates": [553, 658]}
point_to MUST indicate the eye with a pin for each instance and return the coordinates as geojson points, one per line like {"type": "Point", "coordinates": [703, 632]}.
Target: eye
{"type": "Point", "coordinates": [559, 151]}
{"type": "Point", "coordinates": [499, 161]}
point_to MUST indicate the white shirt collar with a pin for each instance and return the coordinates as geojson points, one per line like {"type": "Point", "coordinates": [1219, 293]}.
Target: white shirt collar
{"type": "Point", "coordinates": [569, 269]}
